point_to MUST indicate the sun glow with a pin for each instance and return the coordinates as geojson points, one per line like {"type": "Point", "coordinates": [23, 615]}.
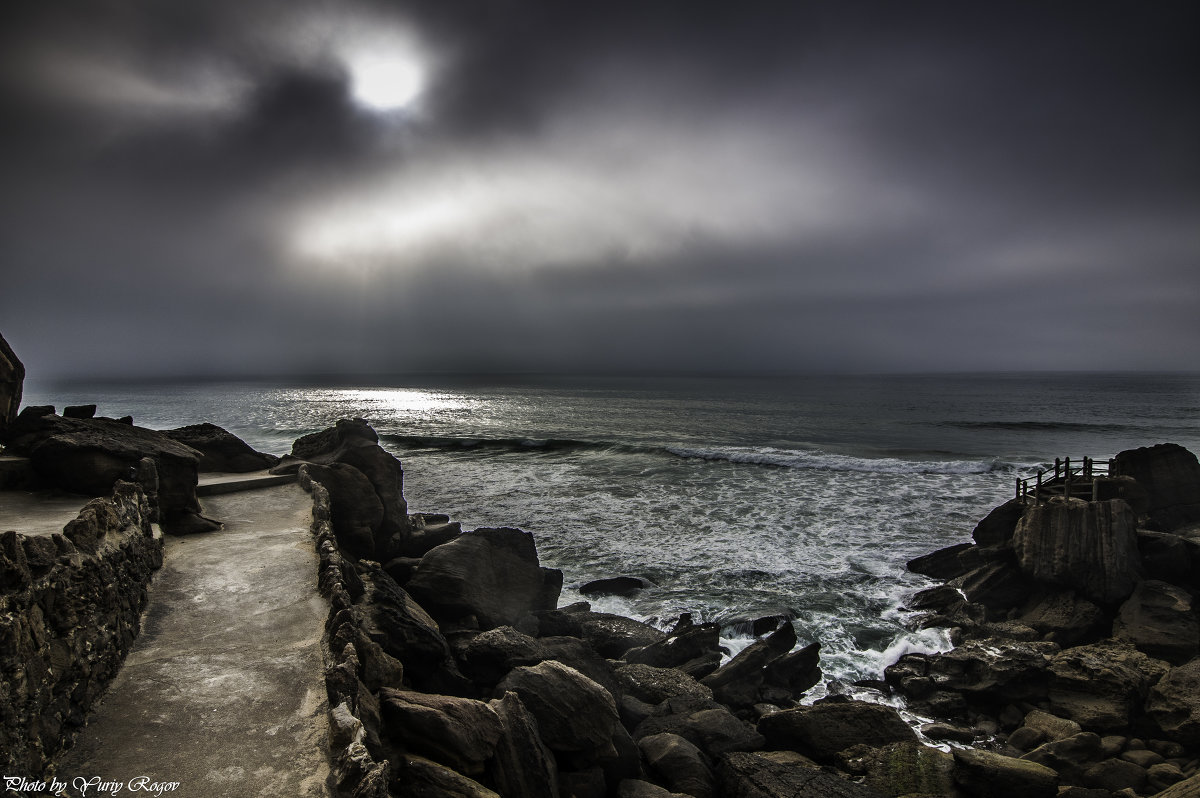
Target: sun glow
{"type": "Point", "coordinates": [384, 82]}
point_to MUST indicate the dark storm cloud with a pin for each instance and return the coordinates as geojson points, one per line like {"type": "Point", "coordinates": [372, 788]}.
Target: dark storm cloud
{"type": "Point", "coordinates": [210, 186]}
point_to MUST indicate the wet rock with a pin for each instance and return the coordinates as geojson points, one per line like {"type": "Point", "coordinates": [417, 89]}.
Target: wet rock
{"type": "Point", "coordinates": [1171, 476]}
{"type": "Point", "coordinates": [1174, 704]}
{"type": "Point", "coordinates": [679, 647]}
{"type": "Point", "coordinates": [1165, 556]}
{"type": "Point", "coordinates": [492, 574]}
{"type": "Point", "coordinates": [615, 586]}
{"type": "Point", "coordinates": [992, 671]}
{"type": "Point", "coordinates": [522, 764]}
{"type": "Point", "coordinates": [1053, 727]}
{"type": "Point", "coordinates": [613, 635]}
{"type": "Point", "coordinates": [458, 732]}
{"type": "Point", "coordinates": [747, 775]}
{"type": "Point", "coordinates": [221, 450]}
{"type": "Point", "coordinates": [1090, 547]}
{"type": "Point", "coordinates": [956, 734]}
{"type": "Point", "coordinates": [824, 729]}
{"type": "Point", "coordinates": [1100, 685]}
{"type": "Point", "coordinates": [942, 564]}
{"type": "Point", "coordinates": [996, 585]}
{"type": "Point", "coordinates": [679, 763]}
{"type": "Point", "coordinates": [1160, 620]}
{"type": "Point", "coordinates": [986, 774]}
{"type": "Point", "coordinates": [574, 713]}
{"type": "Point", "coordinates": [795, 671]}
{"type": "Point", "coordinates": [737, 682]}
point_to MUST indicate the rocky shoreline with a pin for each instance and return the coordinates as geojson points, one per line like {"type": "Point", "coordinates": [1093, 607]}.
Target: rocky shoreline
{"type": "Point", "coordinates": [452, 671]}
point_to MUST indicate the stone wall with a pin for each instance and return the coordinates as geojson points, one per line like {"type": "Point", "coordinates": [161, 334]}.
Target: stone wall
{"type": "Point", "coordinates": [70, 607]}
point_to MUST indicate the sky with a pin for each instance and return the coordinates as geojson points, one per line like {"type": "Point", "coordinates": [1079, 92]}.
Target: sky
{"type": "Point", "coordinates": [293, 187]}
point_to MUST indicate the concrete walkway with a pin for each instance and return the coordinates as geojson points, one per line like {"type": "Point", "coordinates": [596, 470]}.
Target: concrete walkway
{"type": "Point", "coordinates": [223, 693]}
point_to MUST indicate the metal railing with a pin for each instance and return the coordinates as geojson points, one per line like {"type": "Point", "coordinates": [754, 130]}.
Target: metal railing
{"type": "Point", "coordinates": [1067, 480]}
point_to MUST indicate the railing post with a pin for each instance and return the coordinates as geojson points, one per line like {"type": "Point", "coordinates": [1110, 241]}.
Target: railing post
{"type": "Point", "coordinates": [1095, 489]}
{"type": "Point", "coordinates": [1087, 468]}
{"type": "Point", "coordinates": [1037, 492]}
{"type": "Point", "coordinates": [1057, 463]}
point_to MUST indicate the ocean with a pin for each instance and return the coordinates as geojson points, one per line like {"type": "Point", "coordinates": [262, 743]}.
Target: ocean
{"type": "Point", "coordinates": [737, 498]}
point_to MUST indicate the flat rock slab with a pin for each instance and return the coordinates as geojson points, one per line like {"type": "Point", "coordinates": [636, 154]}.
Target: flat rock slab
{"type": "Point", "coordinates": [223, 692]}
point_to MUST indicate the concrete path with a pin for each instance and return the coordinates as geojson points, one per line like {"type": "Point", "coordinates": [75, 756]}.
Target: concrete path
{"type": "Point", "coordinates": [38, 513]}
{"type": "Point", "coordinates": [223, 693]}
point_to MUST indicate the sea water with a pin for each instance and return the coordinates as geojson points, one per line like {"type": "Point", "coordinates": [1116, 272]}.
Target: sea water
{"type": "Point", "coordinates": [736, 498]}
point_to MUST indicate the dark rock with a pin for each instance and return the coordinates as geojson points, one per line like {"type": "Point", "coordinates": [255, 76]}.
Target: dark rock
{"type": "Point", "coordinates": [993, 671]}
{"type": "Point", "coordinates": [558, 623]}
{"type": "Point", "coordinates": [587, 783]}
{"type": "Point", "coordinates": [492, 574]}
{"type": "Point", "coordinates": [746, 775]}
{"type": "Point", "coordinates": [391, 618]}
{"type": "Point", "coordinates": [1100, 685]}
{"type": "Point", "coordinates": [1174, 704]}
{"type": "Point", "coordinates": [574, 713]}
{"type": "Point", "coordinates": [997, 585]}
{"type": "Point", "coordinates": [12, 380]}
{"type": "Point", "coordinates": [941, 564]}
{"type": "Point", "coordinates": [615, 586]}
{"type": "Point", "coordinates": [702, 666]}
{"type": "Point", "coordinates": [1143, 758]}
{"type": "Point", "coordinates": [1160, 620]}
{"type": "Point", "coordinates": [938, 598]}
{"type": "Point", "coordinates": [522, 764]}
{"type": "Point", "coordinates": [221, 450]}
{"type": "Point", "coordinates": [998, 526]}
{"type": "Point", "coordinates": [1171, 476]}
{"type": "Point", "coordinates": [1051, 726]}
{"type": "Point", "coordinates": [823, 730]}
{"type": "Point", "coordinates": [1090, 547]}
{"type": "Point", "coordinates": [738, 681]}
{"type": "Point", "coordinates": [679, 647]}
{"type": "Point", "coordinates": [79, 411]}
{"type": "Point", "coordinates": [902, 768]}
{"type": "Point", "coordinates": [955, 734]}
{"type": "Point", "coordinates": [1068, 757]}
{"type": "Point", "coordinates": [1064, 617]}
{"type": "Point", "coordinates": [624, 761]}
{"type": "Point", "coordinates": [1115, 775]}
{"type": "Point", "coordinates": [356, 511]}
{"type": "Point", "coordinates": [679, 763]}
{"type": "Point", "coordinates": [655, 685]}
{"type": "Point", "coordinates": [986, 774]}
{"type": "Point", "coordinates": [489, 656]}
{"type": "Point", "coordinates": [795, 671]}
{"type": "Point", "coordinates": [613, 635]}
{"type": "Point", "coordinates": [717, 731]}
{"type": "Point", "coordinates": [88, 456]}
{"type": "Point", "coordinates": [1161, 776]}
{"type": "Point", "coordinates": [1189, 788]}
{"type": "Point", "coordinates": [1165, 556]}
{"type": "Point", "coordinates": [458, 732]}
{"type": "Point", "coordinates": [636, 788]}
{"type": "Point", "coordinates": [402, 568]}
{"type": "Point", "coordinates": [424, 536]}
{"type": "Point", "coordinates": [418, 777]}
{"type": "Point", "coordinates": [1026, 739]}
{"type": "Point", "coordinates": [577, 654]}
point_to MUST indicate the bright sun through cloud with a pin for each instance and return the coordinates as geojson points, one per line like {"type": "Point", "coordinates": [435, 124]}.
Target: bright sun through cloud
{"type": "Point", "coordinates": [384, 82]}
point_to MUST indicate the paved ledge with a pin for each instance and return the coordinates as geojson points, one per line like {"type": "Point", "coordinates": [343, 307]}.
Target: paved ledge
{"type": "Point", "coordinates": [39, 512]}
{"type": "Point", "coordinates": [223, 692]}
{"type": "Point", "coordinates": [215, 483]}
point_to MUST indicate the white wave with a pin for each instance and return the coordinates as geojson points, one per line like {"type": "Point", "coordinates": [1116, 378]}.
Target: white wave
{"type": "Point", "coordinates": [825, 461]}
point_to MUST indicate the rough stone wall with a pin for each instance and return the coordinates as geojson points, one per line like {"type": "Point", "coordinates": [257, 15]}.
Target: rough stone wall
{"type": "Point", "coordinates": [12, 378]}
{"type": "Point", "coordinates": [356, 772]}
{"type": "Point", "coordinates": [70, 607]}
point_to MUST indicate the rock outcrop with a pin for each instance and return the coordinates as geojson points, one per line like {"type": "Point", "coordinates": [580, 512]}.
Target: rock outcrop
{"type": "Point", "coordinates": [221, 450]}
{"type": "Point", "coordinates": [12, 380]}
{"type": "Point", "coordinates": [1170, 475]}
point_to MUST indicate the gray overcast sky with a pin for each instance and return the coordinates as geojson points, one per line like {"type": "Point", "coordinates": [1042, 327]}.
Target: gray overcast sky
{"type": "Point", "coordinates": [245, 187]}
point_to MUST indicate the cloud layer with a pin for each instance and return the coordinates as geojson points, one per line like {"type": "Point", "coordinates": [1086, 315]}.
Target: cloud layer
{"type": "Point", "coordinates": [205, 188]}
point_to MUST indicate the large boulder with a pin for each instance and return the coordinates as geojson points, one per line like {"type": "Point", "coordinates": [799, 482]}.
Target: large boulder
{"type": "Point", "coordinates": [998, 526]}
{"type": "Point", "coordinates": [737, 682]}
{"type": "Point", "coordinates": [352, 443]}
{"type": "Point", "coordinates": [522, 764]}
{"type": "Point", "coordinates": [1090, 547]}
{"type": "Point", "coordinates": [1064, 617]}
{"type": "Point", "coordinates": [1099, 686]}
{"type": "Point", "coordinates": [458, 732]}
{"type": "Point", "coordinates": [491, 574]}
{"type": "Point", "coordinates": [574, 714]}
{"type": "Point", "coordinates": [1171, 476]}
{"type": "Point", "coordinates": [991, 671]}
{"type": "Point", "coordinates": [390, 617]}
{"type": "Point", "coordinates": [12, 379]}
{"type": "Point", "coordinates": [355, 509]}
{"type": "Point", "coordinates": [941, 564]}
{"type": "Point", "coordinates": [1160, 619]}
{"type": "Point", "coordinates": [88, 456]}
{"type": "Point", "coordinates": [221, 450]}
{"type": "Point", "coordinates": [684, 644]}
{"type": "Point", "coordinates": [1174, 704]}
{"type": "Point", "coordinates": [614, 635]}
{"type": "Point", "coordinates": [825, 729]}
{"type": "Point", "coordinates": [679, 763]}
